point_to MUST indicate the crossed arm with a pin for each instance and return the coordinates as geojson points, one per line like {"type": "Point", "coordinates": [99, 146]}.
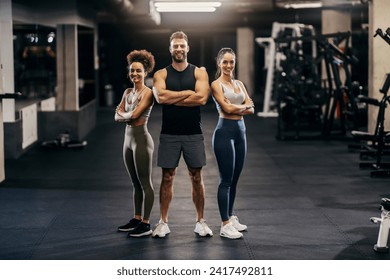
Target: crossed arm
{"type": "Point", "coordinates": [145, 101]}
{"type": "Point", "coordinates": [187, 98]}
{"type": "Point", "coordinates": [246, 108]}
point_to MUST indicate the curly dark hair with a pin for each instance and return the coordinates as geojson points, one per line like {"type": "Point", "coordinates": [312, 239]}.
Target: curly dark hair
{"type": "Point", "coordinates": [142, 56]}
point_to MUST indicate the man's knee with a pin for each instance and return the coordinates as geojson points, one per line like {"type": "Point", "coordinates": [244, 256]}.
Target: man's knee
{"type": "Point", "coordinates": [195, 175]}
{"type": "Point", "coordinates": [168, 174]}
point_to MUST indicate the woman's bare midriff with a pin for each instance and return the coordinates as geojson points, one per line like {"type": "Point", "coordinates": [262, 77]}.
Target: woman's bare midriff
{"type": "Point", "coordinates": [229, 116]}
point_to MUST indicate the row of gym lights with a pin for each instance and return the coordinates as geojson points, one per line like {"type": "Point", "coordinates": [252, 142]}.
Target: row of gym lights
{"type": "Point", "coordinates": [211, 6]}
{"type": "Point", "coordinates": [34, 38]}
{"type": "Point", "coordinates": [320, 4]}
{"type": "Point", "coordinates": [184, 6]}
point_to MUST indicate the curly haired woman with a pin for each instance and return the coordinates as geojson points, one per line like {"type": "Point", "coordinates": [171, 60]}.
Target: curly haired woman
{"type": "Point", "coordinates": [134, 109]}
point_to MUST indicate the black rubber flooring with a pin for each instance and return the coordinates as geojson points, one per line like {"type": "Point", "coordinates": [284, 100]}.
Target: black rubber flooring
{"type": "Point", "coordinates": [301, 200]}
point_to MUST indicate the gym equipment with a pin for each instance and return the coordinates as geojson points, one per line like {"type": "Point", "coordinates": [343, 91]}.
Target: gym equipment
{"type": "Point", "coordinates": [299, 95]}
{"type": "Point", "coordinates": [384, 220]}
{"type": "Point", "coordinates": [380, 138]}
{"type": "Point", "coordinates": [273, 57]}
{"type": "Point", "coordinates": [302, 93]}
{"type": "Point", "coordinates": [385, 36]}
{"type": "Point", "coordinates": [63, 140]}
{"type": "Point", "coordinates": [341, 97]}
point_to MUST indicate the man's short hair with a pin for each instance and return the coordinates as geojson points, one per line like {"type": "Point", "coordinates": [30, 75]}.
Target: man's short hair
{"type": "Point", "coordinates": [178, 35]}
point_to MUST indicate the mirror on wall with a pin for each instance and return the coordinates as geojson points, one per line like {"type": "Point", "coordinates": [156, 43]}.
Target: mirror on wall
{"type": "Point", "coordinates": [34, 60]}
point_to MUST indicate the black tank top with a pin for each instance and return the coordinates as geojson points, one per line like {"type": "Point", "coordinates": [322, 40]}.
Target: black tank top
{"type": "Point", "coordinates": [179, 120]}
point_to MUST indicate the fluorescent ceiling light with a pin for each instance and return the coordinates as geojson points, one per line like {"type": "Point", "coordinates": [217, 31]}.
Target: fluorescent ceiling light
{"type": "Point", "coordinates": [186, 9]}
{"type": "Point", "coordinates": [303, 5]}
{"type": "Point", "coordinates": [186, 6]}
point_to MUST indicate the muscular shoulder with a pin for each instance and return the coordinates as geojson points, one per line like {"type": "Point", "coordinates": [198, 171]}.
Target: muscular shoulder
{"type": "Point", "coordinates": [201, 73]}
{"type": "Point", "coordinates": [162, 73]}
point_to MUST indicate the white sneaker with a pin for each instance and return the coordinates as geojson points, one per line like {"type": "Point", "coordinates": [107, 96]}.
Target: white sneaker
{"type": "Point", "coordinates": [235, 222]}
{"type": "Point", "coordinates": [202, 228]}
{"type": "Point", "coordinates": [161, 229]}
{"type": "Point", "coordinates": [229, 231]}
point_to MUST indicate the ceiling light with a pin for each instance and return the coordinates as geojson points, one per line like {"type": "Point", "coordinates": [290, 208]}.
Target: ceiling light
{"type": "Point", "coordinates": [185, 9]}
{"type": "Point", "coordinates": [186, 6]}
{"type": "Point", "coordinates": [303, 5]}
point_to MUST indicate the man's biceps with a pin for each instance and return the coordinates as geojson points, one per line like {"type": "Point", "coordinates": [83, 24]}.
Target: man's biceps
{"type": "Point", "coordinates": [160, 85]}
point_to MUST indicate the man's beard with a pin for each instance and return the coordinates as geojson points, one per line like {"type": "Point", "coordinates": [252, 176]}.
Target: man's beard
{"type": "Point", "coordinates": [174, 57]}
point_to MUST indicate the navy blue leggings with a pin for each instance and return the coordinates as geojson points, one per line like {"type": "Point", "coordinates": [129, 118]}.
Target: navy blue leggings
{"type": "Point", "coordinates": [229, 144]}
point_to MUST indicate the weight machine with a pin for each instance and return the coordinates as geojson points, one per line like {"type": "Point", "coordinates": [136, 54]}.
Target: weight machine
{"type": "Point", "coordinates": [274, 57]}
{"type": "Point", "coordinates": [341, 96]}
{"type": "Point", "coordinates": [302, 93]}
{"type": "Point", "coordinates": [299, 93]}
{"type": "Point", "coordinates": [380, 139]}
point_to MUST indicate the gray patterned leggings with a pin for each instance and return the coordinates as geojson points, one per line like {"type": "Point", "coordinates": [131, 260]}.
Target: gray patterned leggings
{"type": "Point", "coordinates": [138, 149]}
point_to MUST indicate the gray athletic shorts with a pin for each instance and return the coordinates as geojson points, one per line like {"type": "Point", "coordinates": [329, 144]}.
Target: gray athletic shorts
{"type": "Point", "coordinates": [172, 146]}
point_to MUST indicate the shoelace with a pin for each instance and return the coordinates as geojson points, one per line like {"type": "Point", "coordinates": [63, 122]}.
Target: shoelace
{"type": "Point", "coordinates": [160, 223]}
{"type": "Point", "coordinates": [230, 227]}
{"type": "Point", "coordinates": [202, 222]}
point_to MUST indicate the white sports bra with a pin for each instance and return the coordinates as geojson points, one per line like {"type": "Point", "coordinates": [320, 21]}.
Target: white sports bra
{"type": "Point", "coordinates": [131, 101]}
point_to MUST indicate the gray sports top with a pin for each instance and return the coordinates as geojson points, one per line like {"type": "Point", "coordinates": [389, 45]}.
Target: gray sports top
{"type": "Point", "coordinates": [236, 98]}
{"type": "Point", "coordinates": [132, 102]}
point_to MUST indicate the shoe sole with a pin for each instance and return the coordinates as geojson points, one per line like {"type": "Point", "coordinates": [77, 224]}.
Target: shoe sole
{"type": "Point", "coordinates": [141, 234]}
{"type": "Point", "coordinates": [230, 237]}
{"type": "Point", "coordinates": [125, 230]}
{"type": "Point", "coordinates": [161, 236]}
{"type": "Point", "coordinates": [204, 235]}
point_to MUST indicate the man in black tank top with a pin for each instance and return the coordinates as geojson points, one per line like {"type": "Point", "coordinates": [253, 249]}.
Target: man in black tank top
{"type": "Point", "coordinates": [189, 122]}
{"type": "Point", "coordinates": [181, 88]}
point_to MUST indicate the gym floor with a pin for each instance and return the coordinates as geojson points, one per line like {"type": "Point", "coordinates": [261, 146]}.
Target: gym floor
{"type": "Point", "coordinates": [301, 200]}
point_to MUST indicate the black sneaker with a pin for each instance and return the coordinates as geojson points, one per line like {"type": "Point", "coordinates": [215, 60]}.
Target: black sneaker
{"type": "Point", "coordinates": [142, 229]}
{"type": "Point", "coordinates": [132, 224]}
